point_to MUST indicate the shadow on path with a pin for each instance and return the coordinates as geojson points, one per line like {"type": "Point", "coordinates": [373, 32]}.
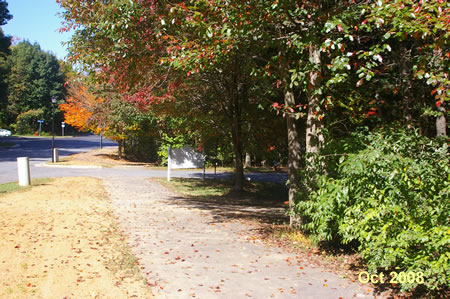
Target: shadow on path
{"type": "Point", "coordinates": [263, 203]}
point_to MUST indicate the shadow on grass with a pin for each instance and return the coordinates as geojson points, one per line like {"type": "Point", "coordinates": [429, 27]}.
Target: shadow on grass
{"type": "Point", "coordinates": [262, 202]}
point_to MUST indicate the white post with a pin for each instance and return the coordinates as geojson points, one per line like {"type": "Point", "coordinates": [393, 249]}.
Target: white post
{"type": "Point", "coordinates": [55, 155]}
{"type": "Point", "coordinates": [23, 169]}
{"type": "Point", "coordinates": [169, 162]}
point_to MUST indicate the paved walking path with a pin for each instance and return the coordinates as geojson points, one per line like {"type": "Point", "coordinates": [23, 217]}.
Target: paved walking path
{"type": "Point", "coordinates": [186, 252]}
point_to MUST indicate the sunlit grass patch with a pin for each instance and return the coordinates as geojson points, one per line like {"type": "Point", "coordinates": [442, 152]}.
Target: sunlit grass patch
{"type": "Point", "coordinates": [217, 188]}
{"type": "Point", "coordinates": [12, 187]}
{"type": "Point", "coordinates": [197, 187]}
{"type": "Point", "coordinates": [295, 237]}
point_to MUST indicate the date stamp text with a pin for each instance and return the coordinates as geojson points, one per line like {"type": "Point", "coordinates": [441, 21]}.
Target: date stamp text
{"type": "Point", "coordinates": [393, 277]}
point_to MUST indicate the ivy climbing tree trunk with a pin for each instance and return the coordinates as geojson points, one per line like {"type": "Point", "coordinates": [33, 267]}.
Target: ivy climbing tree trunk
{"type": "Point", "coordinates": [406, 85]}
{"type": "Point", "coordinates": [293, 151]}
{"type": "Point", "coordinates": [314, 123]}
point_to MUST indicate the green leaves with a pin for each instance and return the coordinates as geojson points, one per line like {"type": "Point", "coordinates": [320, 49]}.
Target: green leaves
{"type": "Point", "coordinates": [390, 194]}
{"type": "Point", "coordinates": [34, 78]}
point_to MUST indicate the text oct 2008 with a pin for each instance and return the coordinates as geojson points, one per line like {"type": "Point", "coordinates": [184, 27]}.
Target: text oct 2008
{"type": "Point", "coordinates": [394, 277]}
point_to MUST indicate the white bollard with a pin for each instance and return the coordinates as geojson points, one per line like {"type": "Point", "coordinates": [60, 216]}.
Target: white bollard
{"type": "Point", "coordinates": [55, 155]}
{"type": "Point", "coordinates": [23, 168]}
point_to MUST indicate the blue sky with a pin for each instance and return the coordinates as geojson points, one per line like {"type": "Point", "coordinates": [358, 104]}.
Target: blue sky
{"type": "Point", "coordinates": [37, 21]}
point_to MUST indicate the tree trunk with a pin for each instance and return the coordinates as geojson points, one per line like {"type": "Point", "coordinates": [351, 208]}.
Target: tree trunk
{"type": "Point", "coordinates": [293, 151]}
{"type": "Point", "coordinates": [120, 151]}
{"type": "Point", "coordinates": [406, 86]}
{"type": "Point", "coordinates": [441, 122]}
{"type": "Point", "coordinates": [314, 124]}
{"type": "Point", "coordinates": [236, 135]}
{"type": "Point", "coordinates": [237, 95]}
{"type": "Point", "coordinates": [248, 160]}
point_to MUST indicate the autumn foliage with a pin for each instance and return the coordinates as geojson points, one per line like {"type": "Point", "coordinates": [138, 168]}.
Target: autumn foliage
{"type": "Point", "coordinates": [79, 107]}
{"type": "Point", "coordinates": [222, 71]}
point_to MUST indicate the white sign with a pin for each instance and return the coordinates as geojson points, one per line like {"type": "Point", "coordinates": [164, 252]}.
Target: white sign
{"type": "Point", "coordinates": [185, 157]}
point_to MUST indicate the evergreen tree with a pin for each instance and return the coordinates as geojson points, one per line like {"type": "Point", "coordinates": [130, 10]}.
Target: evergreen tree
{"type": "Point", "coordinates": [5, 43]}
{"type": "Point", "coordinates": [35, 78]}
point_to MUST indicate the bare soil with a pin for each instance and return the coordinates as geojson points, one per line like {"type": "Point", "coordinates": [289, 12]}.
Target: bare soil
{"type": "Point", "coordinates": [60, 240]}
{"type": "Point", "coordinates": [106, 157]}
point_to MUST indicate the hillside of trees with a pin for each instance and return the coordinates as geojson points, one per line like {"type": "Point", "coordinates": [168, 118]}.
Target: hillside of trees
{"type": "Point", "coordinates": [29, 78]}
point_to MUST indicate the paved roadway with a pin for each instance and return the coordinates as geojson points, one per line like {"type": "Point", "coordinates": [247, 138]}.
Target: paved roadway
{"type": "Point", "coordinates": [39, 149]}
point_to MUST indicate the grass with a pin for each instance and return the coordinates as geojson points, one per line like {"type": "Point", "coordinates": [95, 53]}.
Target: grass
{"type": "Point", "coordinates": [196, 187]}
{"type": "Point", "coordinates": [264, 169]}
{"type": "Point", "coordinates": [43, 134]}
{"type": "Point", "coordinates": [294, 237]}
{"type": "Point", "coordinates": [261, 203]}
{"type": "Point", "coordinates": [123, 263]}
{"type": "Point", "coordinates": [14, 187]}
{"type": "Point", "coordinates": [219, 188]}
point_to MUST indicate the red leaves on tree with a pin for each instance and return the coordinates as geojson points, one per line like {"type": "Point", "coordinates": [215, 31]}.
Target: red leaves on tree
{"type": "Point", "coordinates": [372, 111]}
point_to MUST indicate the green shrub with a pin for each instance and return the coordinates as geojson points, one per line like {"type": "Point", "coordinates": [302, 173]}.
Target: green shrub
{"type": "Point", "coordinates": [141, 148]}
{"type": "Point", "coordinates": [166, 140]}
{"type": "Point", "coordinates": [391, 196]}
{"type": "Point", "coordinates": [26, 122]}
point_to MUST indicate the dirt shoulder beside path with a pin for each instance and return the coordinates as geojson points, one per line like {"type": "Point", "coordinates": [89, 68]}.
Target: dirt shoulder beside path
{"type": "Point", "coordinates": [185, 252]}
{"type": "Point", "coordinates": [59, 240]}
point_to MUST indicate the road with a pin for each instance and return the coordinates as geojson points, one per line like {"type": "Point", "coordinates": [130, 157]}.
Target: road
{"type": "Point", "coordinates": [38, 149]}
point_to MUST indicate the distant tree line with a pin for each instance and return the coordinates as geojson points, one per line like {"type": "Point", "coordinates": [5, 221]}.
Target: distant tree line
{"type": "Point", "coordinates": [29, 78]}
